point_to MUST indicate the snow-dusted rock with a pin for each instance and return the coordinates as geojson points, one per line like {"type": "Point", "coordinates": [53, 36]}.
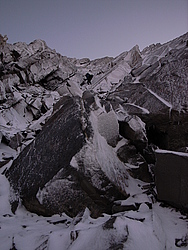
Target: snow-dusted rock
{"type": "Point", "coordinates": [133, 128]}
{"type": "Point", "coordinates": [108, 127]}
{"type": "Point", "coordinates": [44, 152]}
{"type": "Point", "coordinates": [96, 174]}
{"type": "Point", "coordinates": [171, 173]}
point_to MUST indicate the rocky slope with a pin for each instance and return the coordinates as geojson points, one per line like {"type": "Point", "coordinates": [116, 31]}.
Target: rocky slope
{"type": "Point", "coordinates": [79, 134]}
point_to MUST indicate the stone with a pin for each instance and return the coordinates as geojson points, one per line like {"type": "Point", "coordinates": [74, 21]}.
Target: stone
{"type": "Point", "coordinates": [171, 177]}
{"type": "Point", "coordinates": [138, 167]}
{"type": "Point", "coordinates": [56, 173]}
{"type": "Point", "coordinates": [133, 128]}
{"type": "Point", "coordinates": [13, 141]}
{"type": "Point", "coordinates": [42, 159]}
{"type": "Point", "coordinates": [2, 92]}
{"type": "Point", "coordinates": [3, 40]}
{"type": "Point", "coordinates": [108, 127]}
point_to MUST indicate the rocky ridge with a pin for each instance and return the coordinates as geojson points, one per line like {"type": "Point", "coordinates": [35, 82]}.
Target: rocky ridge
{"type": "Point", "coordinates": [77, 133]}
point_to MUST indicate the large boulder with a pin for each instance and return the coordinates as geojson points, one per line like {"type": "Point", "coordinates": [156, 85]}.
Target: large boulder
{"type": "Point", "coordinates": [171, 177]}
{"type": "Point", "coordinates": [70, 165]}
{"type": "Point", "coordinates": [61, 138]}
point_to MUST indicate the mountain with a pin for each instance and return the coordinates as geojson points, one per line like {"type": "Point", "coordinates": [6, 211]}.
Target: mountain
{"type": "Point", "coordinates": [93, 153]}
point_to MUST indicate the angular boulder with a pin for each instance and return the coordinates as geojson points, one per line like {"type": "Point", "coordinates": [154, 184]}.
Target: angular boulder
{"type": "Point", "coordinates": [69, 166]}
{"type": "Point", "coordinates": [61, 138]}
{"type": "Point", "coordinates": [171, 177]}
{"type": "Point", "coordinates": [133, 128]}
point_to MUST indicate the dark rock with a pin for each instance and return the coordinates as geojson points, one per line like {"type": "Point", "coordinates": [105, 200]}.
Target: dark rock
{"type": "Point", "coordinates": [109, 224]}
{"type": "Point", "coordinates": [127, 152]}
{"type": "Point", "coordinates": [13, 141]}
{"type": "Point", "coordinates": [171, 177]}
{"type": "Point", "coordinates": [15, 55]}
{"type": "Point", "coordinates": [133, 129]}
{"type": "Point", "coordinates": [89, 77]}
{"type": "Point", "coordinates": [50, 152]}
{"type": "Point", "coordinates": [2, 92]}
{"type": "Point", "coordinates": [137, 71]}
{"type": "Point", "coordinates": [149, 153]}
{"type": "Point", "coordinates": [141, 172]}
{"type": "Point", "coordinates": [123, 208]}
{"type": "Point", "coordinates": [88, 97]}
{"type": "Point", "coordinates": [183, 242]}
{"type": "Point", "coordinates": [4, 162]}
{"type": "Point", "coordinates": [167, 129]}
{"type": "Point", "coordinates": [139, 169]}
{"type": "Point", "coordinates": [71, 194]}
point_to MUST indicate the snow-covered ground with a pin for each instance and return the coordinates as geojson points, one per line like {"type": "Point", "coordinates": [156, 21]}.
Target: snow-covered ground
{"type": "Point", "coordinates": [155, 228]}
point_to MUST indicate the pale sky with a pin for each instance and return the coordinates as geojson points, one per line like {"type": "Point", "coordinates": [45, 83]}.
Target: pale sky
{"type": "Point", "coordinates": [93, 28]}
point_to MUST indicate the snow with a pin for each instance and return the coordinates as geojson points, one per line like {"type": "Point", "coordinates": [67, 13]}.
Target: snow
{"type": "Point", "coordinates": [155, 228]}
{"type": "Point", "coordinates": [162, 151]}
{"type": "Point", "coordinates": [144, 110]}
{"type": "Point", "coordinates": [98, 155]}
{"type": "Point", "coordinates": [160, 98]}
{"type": "Point", "coordinates": [108, 127]}
{"type": "Point", "coordinates": [137, 124]}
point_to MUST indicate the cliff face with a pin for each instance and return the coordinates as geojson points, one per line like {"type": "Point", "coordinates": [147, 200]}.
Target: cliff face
{"type": "Point", "coordinates": [81, 133]}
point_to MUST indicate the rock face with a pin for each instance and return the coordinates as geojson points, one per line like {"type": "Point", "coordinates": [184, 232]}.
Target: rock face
{"type": "Point", "coordinates": [171, 173]}
{"type": "Point", "coordinates": [86, 128]}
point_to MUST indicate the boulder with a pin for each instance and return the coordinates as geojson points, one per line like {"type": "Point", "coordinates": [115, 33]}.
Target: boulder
{"type": "Point", "coordinates": [50, 152]}
{"type": "Point", "coordinates": [69, 166]}
{"type": "Point", "coordinates": [171, 177]}
{"type": "Point", "coordinates": [133, 128]}
{"type": "Point", "coordinates": [108, 127]}
{"type": "Point", "coordinates": [138, 167]}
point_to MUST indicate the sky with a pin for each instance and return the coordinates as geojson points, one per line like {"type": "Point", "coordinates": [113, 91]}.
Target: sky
{"type": "Point", "coordinates": [93, 28]}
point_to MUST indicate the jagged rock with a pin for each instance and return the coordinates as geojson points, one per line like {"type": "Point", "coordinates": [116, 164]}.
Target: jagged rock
{"type": "Point", "coordinates": [122, 208]}
{"type": "Point", "coordinates": [13, 141]}
{"type": "Point", "coordinates": [2, 92]}
{"type": "Point", "coordinates": [138, 167]}
{"type": "Point", "coordinates": [171, 174]}
{"type": "Point", "coordinates": [3, 40]}
{"type": "Point", "coordinates": [133, 129]}
{"type": "Point", "coordinates": [88, 97]}
{"type": "Point", "coordinates": [40, 70]}
{"type": "Point", "coordinates": [137, 71]}
{"type": "Point", "coordinates": [84, 61]}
